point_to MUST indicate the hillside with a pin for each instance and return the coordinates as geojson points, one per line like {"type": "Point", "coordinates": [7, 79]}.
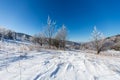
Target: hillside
{"type": "Point", "coordinates": [12, 35]}
{"type": "Point", "coordinates": [112, 42]}
{"type": "Point", "coordinates": [17, 62]}
{"type": "Point", "coordinates": [21, 59]}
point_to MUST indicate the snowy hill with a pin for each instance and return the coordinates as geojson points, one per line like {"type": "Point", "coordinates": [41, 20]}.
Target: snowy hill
{"type": "Point", "coordinates": [19, 64]}
{"type": "Point", "coordinates": [21, 59]}
{"type": "Point", "coordinates": [12, 35]}
{"type": "Point", "coordinates": [112, 42]}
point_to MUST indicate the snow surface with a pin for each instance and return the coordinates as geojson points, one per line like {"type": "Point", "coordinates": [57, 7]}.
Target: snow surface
{"type": "Point", "coordinates": [57, 65]}
{"type": "Point", "coordinates": [60, 65]}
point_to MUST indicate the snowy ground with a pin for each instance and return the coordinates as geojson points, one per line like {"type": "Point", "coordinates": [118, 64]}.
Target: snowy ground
{"type": "Point", "coordinates": [60, 65]}
{"type": "Point", "coordinates": [57, 65]}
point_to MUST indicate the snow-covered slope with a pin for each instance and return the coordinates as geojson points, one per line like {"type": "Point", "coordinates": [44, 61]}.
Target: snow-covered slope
{"type": "Point", "coordinates": [59, 65]}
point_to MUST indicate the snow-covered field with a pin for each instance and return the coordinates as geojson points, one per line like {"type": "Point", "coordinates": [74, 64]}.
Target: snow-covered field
{"type": "Point", "coordinates": [57, 65]}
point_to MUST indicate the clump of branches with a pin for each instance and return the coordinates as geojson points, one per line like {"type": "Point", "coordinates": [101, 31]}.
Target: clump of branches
{"type": "Point", "coordinates": [54, 37]}
{"type": "Point", "coordinates": [51, 37]}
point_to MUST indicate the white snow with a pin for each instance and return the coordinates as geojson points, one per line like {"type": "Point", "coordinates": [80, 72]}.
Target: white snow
{"type": "Point", "coordinates": [57, 65]}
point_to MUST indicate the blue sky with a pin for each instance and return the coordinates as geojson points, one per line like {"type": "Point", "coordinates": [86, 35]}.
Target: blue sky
{"type": "Point", "coordinates": [79, 16]}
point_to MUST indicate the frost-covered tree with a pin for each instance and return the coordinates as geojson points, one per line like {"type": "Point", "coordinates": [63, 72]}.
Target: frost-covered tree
{"type": "Point", "coordinates": [57, 40]}
{"type": "Point", "coordinates": [32, 39]}
{"type": "Point", "coordinates": [56, 43]}
{"type": "Point", "coordinates": [6, 33]}
{"type": "Point", "coordinates": [62, 35]}
{"type": "Point", "coordinates": [98, 40]}
{"type": "Point", "coordinates": [50, 30]}
{"type": "Point", "coordinates": [23, 37]}
{"type": "Point", "coordinates": [2, 33]}
{"type": "Point", "coordinates": [36, 38]}
{"type": "Point", "coordinates": [41, 38]}
{"type": "Point", "coordinates": [14, 35]}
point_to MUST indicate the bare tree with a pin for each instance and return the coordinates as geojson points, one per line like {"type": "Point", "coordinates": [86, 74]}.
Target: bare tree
{"type": "Point", "coordinates": [50, 30]}
{"type": "Point", "coordinates": [98, 40]}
